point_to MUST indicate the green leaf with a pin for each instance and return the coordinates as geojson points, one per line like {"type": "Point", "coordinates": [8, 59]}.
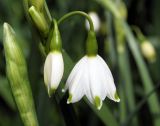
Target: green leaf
{"type": "Point", "coordinates": [104, 114]}
{"type": "Point", "coordinates": [5, 93]}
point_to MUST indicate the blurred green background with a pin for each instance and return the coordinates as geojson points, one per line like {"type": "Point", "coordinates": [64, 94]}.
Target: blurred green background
{"type": "Point", "coordinates": [133, 77]}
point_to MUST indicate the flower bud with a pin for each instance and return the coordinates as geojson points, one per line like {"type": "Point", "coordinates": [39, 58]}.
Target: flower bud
{"type": "Point", "coordinates": [148, 51]}
{"type": "Point", "coordinates": [96, 21]}
{"type": "Point", "coordinates": [11, 47]}
{"type": "Point", "coordinates": [53, 71]}
{"type": "Point", "coordinates": [39, 21]}
{"type": "Point", "coordinates": [18, 77]}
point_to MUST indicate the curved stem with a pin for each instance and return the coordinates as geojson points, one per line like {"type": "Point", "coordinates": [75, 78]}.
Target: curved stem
{"type": "Point", "coordinates": [139, 34]}
{"type": "Point", "coordinates": [77, 13]}
{"type": "Point", "coordinates": [91, 43]}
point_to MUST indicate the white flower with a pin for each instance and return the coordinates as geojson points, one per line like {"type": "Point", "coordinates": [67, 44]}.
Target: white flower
{"type": "Point", "coordinates": [53, 71]}
{"type": "Point", "coordinates": [96, 21]}
{"type": "Point", "coordinates": [91, 77]}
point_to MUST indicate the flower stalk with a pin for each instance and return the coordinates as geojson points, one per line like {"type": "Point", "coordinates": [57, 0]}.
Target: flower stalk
{"type": "Point", "coordinates": [91, 44]}
{"type": "Point", "coordinates": [70, 14]}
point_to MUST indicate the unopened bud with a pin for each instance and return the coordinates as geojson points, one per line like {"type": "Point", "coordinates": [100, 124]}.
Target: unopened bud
{"type": "Point", "coordinates": [96, 21]}
{"type": "Point", "coordinates": [12, 50]}
{"type": "Point", "coordinates": [18, 77]}
{"type": "Point", "coordinates": [148, 51]}
{"type": "Point", "coordinates": [39, 21]}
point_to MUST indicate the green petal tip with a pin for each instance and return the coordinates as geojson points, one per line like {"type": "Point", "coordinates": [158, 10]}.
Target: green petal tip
{"type": "Point", "coordinates": [117, 99]}
{"type": "Point", "coordinates": [51, 91]}
{"type": "Point", "coordinates": [69, 99]}
{"type": "Point", "coordinates": [98, 102]}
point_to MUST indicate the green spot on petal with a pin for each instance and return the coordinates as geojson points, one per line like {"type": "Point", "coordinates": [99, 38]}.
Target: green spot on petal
{"type": "Point", "coordinates": [116, 97]}
{"type": "Point", "coordinates": [69, 99]}
{"type": "Point", "coordinates": [97, 102]}
{"type": "Point", "coordinates": [51, 91]}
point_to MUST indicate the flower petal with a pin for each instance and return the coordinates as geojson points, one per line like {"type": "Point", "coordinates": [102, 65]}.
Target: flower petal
{"type": "Point", "coordinates": [95, 83]}
{"type": "Point", "coordinates": [86, 83]}
{"type": "Point", "coordinates": [108, 81]}
{"type": "Point", "coordinates": [57, 70]}
{"type": "Point", "coordinates": [53, 71]}
{"type": "Point", "coordinates": [105, 66]}
{"type": "Point", "coordinates": [73, 73]}
{"type": "Point", "coordinates": [47, 70]}
{"type": "Point", "coordinates": [76, 86]}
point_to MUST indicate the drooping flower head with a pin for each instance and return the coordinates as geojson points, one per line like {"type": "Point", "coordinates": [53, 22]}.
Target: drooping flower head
{"type": "Point", "coordinates": [54, 65]}
{"type": "Point", "coordinates": [91, 77]}
{"type": "Point", "coordinates": [53, 71]}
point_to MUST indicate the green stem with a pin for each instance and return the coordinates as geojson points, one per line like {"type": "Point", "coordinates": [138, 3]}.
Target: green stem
{"type": "Point", "coordinates": [109, 4]}
{"type": "Point", "coordinates": [128, 87]}
{"type": "Point", "coordinates": [146, 79]}
{"type": "Point", "coordinates": [47, 12]}
{"type": "Point", "coordinates": [104, 114]}
{"type": "Point", "coordinates": [140, 105]}
{"type": "Point", "coordinates": [122, 104]}
{"type": "Point", "coordinates": [125, 71]}
{"type": "Point", "coordinates": [66, 16]}
{"type": "Point", "coordinates": [109, 44]}
{"type": "Point", "coordinates": [139, 34]}
{"type": "Point", "coordinates": [91, 43]}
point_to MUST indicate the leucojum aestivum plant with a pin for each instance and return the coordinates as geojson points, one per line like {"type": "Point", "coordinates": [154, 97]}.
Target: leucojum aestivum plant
{"type": "Point", "coordinates": [90, 77]}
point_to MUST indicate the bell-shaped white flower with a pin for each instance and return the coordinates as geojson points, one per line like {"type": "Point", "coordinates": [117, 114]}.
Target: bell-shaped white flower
{"type": "Point", "coordinates": [91, 77]}
{"type": "Point", "coordinates": [53, 71]}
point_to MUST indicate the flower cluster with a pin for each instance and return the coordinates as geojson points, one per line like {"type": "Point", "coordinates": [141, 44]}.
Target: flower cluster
{"type": "Point", "coordinates": [91, 76]}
